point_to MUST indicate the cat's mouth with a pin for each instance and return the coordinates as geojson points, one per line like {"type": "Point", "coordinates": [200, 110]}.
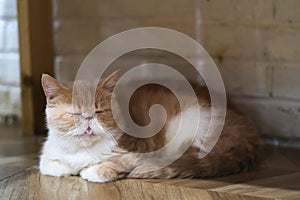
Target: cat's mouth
{"type": "Point", "coordinates": [89, 131]}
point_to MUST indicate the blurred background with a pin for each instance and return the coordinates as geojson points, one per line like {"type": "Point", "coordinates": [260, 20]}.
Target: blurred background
{"type": "Point", "coordinates": [10, 93]}
{"type": "Point", "coordinates": [255, 44]}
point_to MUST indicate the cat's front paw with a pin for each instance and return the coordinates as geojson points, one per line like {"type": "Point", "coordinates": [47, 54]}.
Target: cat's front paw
{"type": "Point", "coordinates": [101, 173]}
{"type": "Point", "coordinates": [54, 168]}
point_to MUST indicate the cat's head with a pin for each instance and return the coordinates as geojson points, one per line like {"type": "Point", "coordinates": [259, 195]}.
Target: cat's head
{"type": "Point", "coordinates": [85, 113]}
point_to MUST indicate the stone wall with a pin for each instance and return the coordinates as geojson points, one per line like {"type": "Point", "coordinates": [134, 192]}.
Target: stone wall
{"type": "Point", "coordinates": [256, 45]}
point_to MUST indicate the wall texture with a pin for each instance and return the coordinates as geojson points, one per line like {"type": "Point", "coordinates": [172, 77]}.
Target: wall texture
{"type": "Point", "coordinates": [9, 61]}
{"type": "Point", "coordinates": [256, 45]}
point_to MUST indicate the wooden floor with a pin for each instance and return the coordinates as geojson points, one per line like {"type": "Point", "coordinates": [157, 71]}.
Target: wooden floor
{"type": "Point", "coordinates": [276, 177]}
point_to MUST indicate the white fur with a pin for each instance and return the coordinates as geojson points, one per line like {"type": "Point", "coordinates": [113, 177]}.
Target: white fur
{"type": "Point", "coordinates": [92, 175]}
{"type": "Point", "coordinates": [72, 154]}
{"type": "Point", "coordinates": [55, 168]}
{"type": "Point", "coordinates": [187, 128]}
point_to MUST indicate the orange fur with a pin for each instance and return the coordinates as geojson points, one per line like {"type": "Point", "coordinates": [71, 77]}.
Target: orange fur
{"type": "Point", "coordinates": [235, 150]}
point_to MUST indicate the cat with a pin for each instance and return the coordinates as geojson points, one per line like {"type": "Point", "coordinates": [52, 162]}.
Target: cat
{"type": "Point", "coordinates": [84, 139]}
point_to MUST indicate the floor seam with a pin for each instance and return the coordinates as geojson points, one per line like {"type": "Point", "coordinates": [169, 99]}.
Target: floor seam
{"type": "Point", "coordinates": [14, 174]}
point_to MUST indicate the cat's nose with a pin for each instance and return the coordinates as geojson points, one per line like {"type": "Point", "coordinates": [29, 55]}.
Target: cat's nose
{"type": "Point", "coordinates": [88, 116]}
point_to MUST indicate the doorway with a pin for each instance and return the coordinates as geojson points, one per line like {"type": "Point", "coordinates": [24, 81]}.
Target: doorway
{"type": "Point", "coordinates": [26, 51]}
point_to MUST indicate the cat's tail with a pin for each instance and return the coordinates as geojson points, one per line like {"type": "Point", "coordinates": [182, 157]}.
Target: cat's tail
{"type": "Point", "coordinates": [235, 160]}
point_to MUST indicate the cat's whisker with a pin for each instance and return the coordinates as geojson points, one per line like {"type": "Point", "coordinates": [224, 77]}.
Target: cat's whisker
{"type": "Point", "coordinates": [65, 135]}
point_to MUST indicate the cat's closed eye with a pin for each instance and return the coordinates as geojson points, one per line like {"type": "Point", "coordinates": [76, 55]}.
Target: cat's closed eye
{"type": "Point", "coordinates": [76, 114]}
{"type": "Point", "coordinates": [79, 114]}
{"type": "Point", "coordinates": [101, 111]}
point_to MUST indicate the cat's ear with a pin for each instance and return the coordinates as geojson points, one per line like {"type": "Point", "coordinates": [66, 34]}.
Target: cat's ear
{"type": "Point", "coordinates": [111, 81]}
{"type": "Point", "coordinates": [51, 86]}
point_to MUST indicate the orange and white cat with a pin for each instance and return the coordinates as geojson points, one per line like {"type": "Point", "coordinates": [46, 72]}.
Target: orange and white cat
{"type": "Point", "coordinates": [85, 140]}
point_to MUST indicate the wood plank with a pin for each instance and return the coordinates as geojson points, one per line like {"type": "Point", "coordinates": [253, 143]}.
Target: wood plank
{"type": "Point", "coordinates": [36, 57]}
{"type": "Point", "coordinates": [31, 185]}
{"type": "Point", "coordinates": [211, 183]}
{"type": "Point", "coordinates": [278, 187]}
{"type": "Point", "coordinates": [280, 158]}
{"type": "Point", "coordinates": [266, 181]}
{"type": "Point", "coordinates": [10, 166]}
{"type": "Point", "coordinates": [17, 152]}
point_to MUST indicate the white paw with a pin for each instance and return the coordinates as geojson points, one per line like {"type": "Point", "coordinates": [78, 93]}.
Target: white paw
{"type": "Point", "coordinates": [92, 174]}
{"type": "Point", "coordinates": [54, 168]}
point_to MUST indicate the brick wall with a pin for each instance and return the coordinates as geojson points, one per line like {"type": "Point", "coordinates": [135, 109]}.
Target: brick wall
{"type": "Point", "coordinates": [9, 61]}
{"type": "Point", "coordinates": [256, 45]}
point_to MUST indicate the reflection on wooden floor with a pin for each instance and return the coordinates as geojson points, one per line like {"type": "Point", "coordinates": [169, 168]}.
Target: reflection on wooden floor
{"type": "Point", "coordinates": [276, 177]}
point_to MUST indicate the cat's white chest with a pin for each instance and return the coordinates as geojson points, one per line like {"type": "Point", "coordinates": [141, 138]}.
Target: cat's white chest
{"type": "Point", "coordinates": [77, 157]}
{"type": "Point", "coordinates": [87, 156]}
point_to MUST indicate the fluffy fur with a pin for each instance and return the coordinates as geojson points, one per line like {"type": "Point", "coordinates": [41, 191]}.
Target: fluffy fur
{"type": "Point", "coordinates": [84, 139]}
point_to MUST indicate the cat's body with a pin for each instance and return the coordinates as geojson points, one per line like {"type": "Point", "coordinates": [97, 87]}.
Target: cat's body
{"type": "Point", "coordinates": [84, 138]}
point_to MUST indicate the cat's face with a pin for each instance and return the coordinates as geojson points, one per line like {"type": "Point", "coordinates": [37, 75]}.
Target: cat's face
{"type": "Point", "coordinates": [86, 113]}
